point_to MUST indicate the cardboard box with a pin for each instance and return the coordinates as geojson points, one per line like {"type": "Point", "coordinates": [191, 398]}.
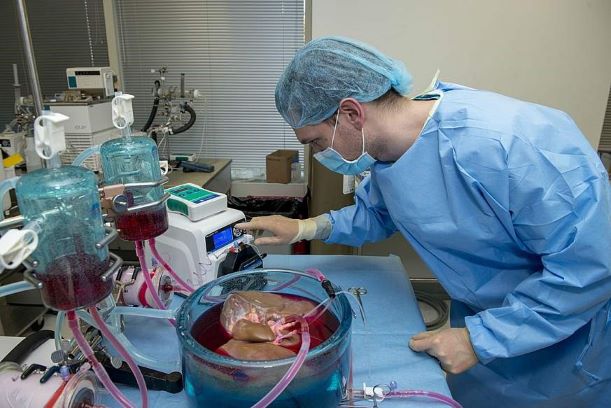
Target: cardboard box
{"type": "Point", "coordinates": [278, 165]}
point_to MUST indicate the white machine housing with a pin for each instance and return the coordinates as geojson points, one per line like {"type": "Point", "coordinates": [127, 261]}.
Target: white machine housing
{"type": "Point", "coordinates": [89, 124]}
{"type": "Point", "coordinates": [195, 202]}
{"type": "Point", "coordinates": [91, 79]}
{"type": "Point", "coordinates": [5, 205]}
{"type": "Point", "coordinates": [195, 250]}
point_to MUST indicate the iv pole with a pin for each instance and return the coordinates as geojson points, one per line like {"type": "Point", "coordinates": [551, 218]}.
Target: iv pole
{"type": "Point", "coordinates": [26, 37]}
{"type": "Point", "coordinates": [29, 56]}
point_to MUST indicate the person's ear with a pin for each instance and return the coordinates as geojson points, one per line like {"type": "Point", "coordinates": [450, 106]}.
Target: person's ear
{"type": "Point", "coordinates": [353, 111]}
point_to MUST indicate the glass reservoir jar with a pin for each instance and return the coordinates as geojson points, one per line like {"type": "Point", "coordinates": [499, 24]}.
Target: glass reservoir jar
{"type": "Point", "coordinates": [65, 203]}
{"type": "Point", "coordinates": [214, 380]}
{"type": "Point", "coordinates": [135, 160]}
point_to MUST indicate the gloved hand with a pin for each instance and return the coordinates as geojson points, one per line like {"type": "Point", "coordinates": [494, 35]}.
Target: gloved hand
{"type": "Point", "coordinates": [452, 347]}
{"type": "Point", "coordinates": [284, 230]}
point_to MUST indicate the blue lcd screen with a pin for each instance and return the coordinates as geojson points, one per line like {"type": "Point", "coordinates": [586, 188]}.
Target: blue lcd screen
{"type": "Point", "coordinates": [222, 238]}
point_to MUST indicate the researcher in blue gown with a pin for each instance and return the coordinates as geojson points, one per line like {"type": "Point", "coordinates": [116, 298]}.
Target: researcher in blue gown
{"type": "Point", "coordinates": [504, 200]}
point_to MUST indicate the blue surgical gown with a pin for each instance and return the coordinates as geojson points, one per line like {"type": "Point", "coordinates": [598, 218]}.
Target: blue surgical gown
{"type": "Point", "coordinates": [508, 205]}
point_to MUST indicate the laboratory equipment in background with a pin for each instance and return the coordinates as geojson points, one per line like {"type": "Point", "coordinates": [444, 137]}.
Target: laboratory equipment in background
{"type": "Point", "coordinates": [175, 103]}
{"type": "Point", "coordinates": [23, 107]}
{"type": "Point", "coordinates": [5, 203]}
{"type": "Point", "coordinates": [17, 137]}
{"type": "Point", "coordinates": [12, 142]}
{"type": "Point", "coordinates": [201, 242]}
{"type": "Point", "coordinates": [96, 81]}
{"type": "Point", "coordinates": [90, 124]}
{"type": "Point", "coordinates": [87, 103]}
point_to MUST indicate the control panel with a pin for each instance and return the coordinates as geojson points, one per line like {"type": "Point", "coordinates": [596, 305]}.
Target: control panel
{"type": "Point", "coordinates": [223, 236]}
{"type": "Point", "coordinates": [195, 202]}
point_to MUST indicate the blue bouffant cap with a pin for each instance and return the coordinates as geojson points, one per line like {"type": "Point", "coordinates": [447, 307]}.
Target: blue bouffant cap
{"type": "Point", "coordinates": [329, 69]}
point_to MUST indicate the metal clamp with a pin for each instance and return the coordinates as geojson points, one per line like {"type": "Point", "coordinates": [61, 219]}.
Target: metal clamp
{"type": "Point", "coordinates": [30, 264]}
{"type": "Point", "coordinates": [117, 262]}
{"type": "Point", "coordinates": [152, 204]}
{"type": "Point", "coordinates": [358, 292]}
{"type": "Point", "coordinates": [111, 234]}
{"type": "Point", "coordinates": [29, 276]}
{"type": "Point", "coordinates": [147, 184]}
{"type": "Point", "coordinates": [113, 197]}
{"type": "Point", "coordinates": [12, 222]}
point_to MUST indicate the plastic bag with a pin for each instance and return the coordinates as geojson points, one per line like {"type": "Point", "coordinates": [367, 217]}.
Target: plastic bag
{"type": "Point", "coordinates": [257, 322]}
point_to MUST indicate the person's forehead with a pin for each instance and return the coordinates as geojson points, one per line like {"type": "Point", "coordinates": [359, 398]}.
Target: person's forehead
{"type": "Point", "coordinates": [308, 133]}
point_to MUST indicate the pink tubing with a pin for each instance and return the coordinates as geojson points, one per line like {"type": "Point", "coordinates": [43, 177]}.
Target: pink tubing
{"type": "Point", "coordinates": [123, 352]}
{"type": "Point", "coordinates": [286, 284]}
{"type": "Point", "coordinates": [168, 268]}
{"type": "Point", "coordinates": [147, 277]}
{"type": "Point", "coordinates": [98, 369]}
{"type": "Point", "coordinates": [293, 369]}
{"type": "Point", "coordinates": [316, 274]}
{"type": "Point", "coordinates": [427, 394]}
{"type": "Point", "coordinates": [318, 311]}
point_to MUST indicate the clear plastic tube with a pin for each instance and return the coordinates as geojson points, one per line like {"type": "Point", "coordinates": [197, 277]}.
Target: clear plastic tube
{"type": "Point", "coordinates": [323, 306]}
{"type": "Point", "coordinates": [293, 369]}
{"type": "Point", "coordinates": [53, 162]}
{"type": "Point", "coordinates": [16, 287]}
{"type": "Point", "coordinates": [5, 186]}
{"type": "Point", "coordinates": [85, 154]}
{"type": "Point", "coordinates": [168, 268]}
{"type": "Point", "coordinates": [126, 132]}
{"type": "Point", "coordinates": [99, 370]}
{"type": "Point", "coordinates": [290, 283]}
{"type": "Point", "coordinates": [426, 394]}
{"type": "Point", "coordinates": [318, 311]}
{"type": "Point", "coordinates": [124, 354]}
{"type": "Point", "coordinates": [143, 312]}
{"type": "Point", "coordinates": [147, 278]}
{"type": "Point", "coordinates": [59, 323]}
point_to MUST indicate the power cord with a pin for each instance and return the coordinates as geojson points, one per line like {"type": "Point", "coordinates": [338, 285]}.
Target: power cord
{"type": "Point", "coordinates": [437, 304]}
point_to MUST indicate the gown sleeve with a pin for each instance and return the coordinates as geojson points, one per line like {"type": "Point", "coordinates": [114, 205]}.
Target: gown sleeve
{"type": "Point", "coordinates": [365, 221]}
{"type": "Point", "coordinates": [559, 208]}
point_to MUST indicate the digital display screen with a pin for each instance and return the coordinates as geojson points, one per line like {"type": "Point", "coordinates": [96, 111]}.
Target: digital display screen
{"type": "Point", "coordinates": [223, 237]}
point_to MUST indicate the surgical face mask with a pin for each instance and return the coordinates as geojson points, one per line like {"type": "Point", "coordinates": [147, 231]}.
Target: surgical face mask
{"type": "Point", "coordinates": [331, 159]}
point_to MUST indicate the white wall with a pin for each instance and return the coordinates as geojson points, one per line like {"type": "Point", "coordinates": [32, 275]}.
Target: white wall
{"type": "Point", "coordinates": [553, 52]}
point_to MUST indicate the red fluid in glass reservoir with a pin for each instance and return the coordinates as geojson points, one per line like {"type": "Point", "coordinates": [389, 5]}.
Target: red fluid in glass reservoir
{"type": "Point", "coordinates": [142, 225]}
{"type": "Point", "coordinates": [208, 331]}
{"type": "Point", "coordinates": [74, 281]}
